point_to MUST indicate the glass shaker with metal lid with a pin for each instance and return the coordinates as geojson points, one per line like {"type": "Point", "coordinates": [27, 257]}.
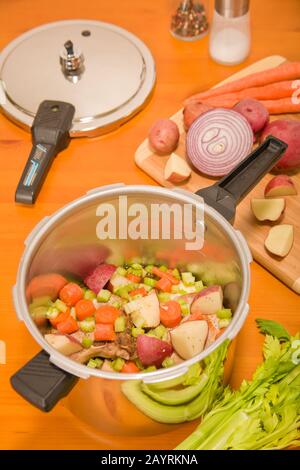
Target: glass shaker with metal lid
{"type": "Point", "coordinates": [230, 37]}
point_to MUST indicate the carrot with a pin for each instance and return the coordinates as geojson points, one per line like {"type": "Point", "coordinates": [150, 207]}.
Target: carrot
{"type": "Point", "coordinates": [286, 71]}
{"type": "Point", "coordinates": [61, 317]}
{"type": "Point", "coordinates": [164, 285]}
{"type": "Point", "coordinates": [130, 368]}
{"type": "Point", "coordinates": [170, 314]}
{"type": "Point", "coordinates": [45, 284]}
{"type": "Point", "coordinates": [282, 106]}
{"type": "Point", "coordinates": [84, 308]}
{"type": "Point", "coordinates": [273, 91]}
{"type": "Point", "coordinates": [104, 332]}
{"type": "Point", "coordinates": [70, 294]}
{"type": "Point", "coordinates": [140, 291]}
{"type": "Point", "coordinates": [197, 316]}
{"type": "Point", "coordinates": [133, 278]}
{"type": "Point", "coordinates": [166, 275]}
{"type": "Point", "coordinates": [107, 314]}
{"type": "Point", "coordinates": [68, 326]}
{"type": "Point", "coordinates": [221, 331]}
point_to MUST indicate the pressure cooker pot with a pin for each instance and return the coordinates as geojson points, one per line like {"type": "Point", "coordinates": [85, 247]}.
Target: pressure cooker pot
{"type": "Point", "coordinates": [68, 242]}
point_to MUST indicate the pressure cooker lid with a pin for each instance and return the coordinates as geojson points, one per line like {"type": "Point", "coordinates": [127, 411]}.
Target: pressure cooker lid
{"type": "Point", "coordinates": [106, 72]}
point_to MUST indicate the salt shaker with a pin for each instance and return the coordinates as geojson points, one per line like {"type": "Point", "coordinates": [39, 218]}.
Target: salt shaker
{"type": "Point", "coordinates": [230, 36]}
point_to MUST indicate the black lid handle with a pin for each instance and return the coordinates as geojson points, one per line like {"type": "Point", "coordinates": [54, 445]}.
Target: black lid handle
{"type": "Point", "coordinates": [232, 188]}
{"type": "Point", "coordinates": [42, 383]}
{"type": "Point", "coordinates": [50, 135]}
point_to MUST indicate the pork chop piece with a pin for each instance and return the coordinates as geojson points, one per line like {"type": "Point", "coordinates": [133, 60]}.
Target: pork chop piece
{"type": "Point", "coordinates": [106, 350]}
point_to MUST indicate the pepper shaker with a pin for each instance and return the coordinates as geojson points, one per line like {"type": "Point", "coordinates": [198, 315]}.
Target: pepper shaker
{"type": "Point", "coordinates": [230, 37]}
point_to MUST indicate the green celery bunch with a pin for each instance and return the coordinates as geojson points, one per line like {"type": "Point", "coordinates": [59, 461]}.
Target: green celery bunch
{"type": "Point", "coordinates": [265, 412]}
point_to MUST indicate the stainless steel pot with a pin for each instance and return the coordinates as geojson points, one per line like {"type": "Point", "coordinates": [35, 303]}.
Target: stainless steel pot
{"type": "Point", "coordinates": [67, 241]}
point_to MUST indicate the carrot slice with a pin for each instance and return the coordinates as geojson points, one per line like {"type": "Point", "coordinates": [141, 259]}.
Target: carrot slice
{"type": "Point", "coordinates": [197, 316]}
{"type": "Point", "coordinates": [84, 308]}
{"type": "Point", "coordinates": [107, 314]}
{"type": "Point", "coordinates": [170, 314]}
{"type": "Point", "coordinates": [133, 278]}
{"type": "Point", "coordinates": [139, 291]}
{"type": "Point", "coordinates": [70, 294]}
{"type": "Point", "coordinates": [130, 368]}
{"type": "Point", "coordinates": [164, 285]}
{"type": "Point", "coordinates": [61, 317]}
{"type": "Point", "coordinates": [104, 332]}
{"type": "Point", "coordinates": [68, 326]}
{"type": "Point", "coordinates": [165, 275]}
{"type": "Point", "coordinates": [45, 284]}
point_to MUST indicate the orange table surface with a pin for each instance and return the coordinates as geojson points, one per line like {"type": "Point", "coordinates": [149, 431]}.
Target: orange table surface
{"type": "Point", "coordinates": [182, 69]}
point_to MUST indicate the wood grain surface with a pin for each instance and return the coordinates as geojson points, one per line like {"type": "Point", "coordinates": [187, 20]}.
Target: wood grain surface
{"type": "Point", "coordinates": [286, 269]}
{"type": "Point", "coordinates": [182, 69]}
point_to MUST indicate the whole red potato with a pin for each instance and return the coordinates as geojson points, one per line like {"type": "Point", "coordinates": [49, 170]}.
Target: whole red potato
{"type": "Point", "coordinates": [288, 131]}
{"type": "Point", "coordinates": [255, 112]}
{"type": "Point", "coordinates": [164, 136]}
{"type": "Point", "coordinates": [193, 110]}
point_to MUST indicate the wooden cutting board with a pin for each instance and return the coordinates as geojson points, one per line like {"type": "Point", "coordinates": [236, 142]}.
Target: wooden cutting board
{"type": "Point", "coordinates": [286, 269]}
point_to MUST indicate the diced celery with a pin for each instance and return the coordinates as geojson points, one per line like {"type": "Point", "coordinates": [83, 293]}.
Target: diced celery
{"type": "Point", "coordinates": [159, 331]}
{"type": "Point", "coordinates": [185, 308]}
{"type": "Point", "coordinates": [73, 312]}
{"type": "Point", "coordinates": [89, 295]}
{"type": "Point", "coordinates": [150, 369]}
{"type": "Point", "coordinates": [87, 325]}
{"type": "Point", "coordinates": [123, 291]}
{"type": "Point", "coordinates": [139, 364]}
{"type": "Point", "coordinates": [137, 331]}
{"type": "Point", "coordinates": [224, 313]}
{"type": "Point", "coordinates": [149, 281]}
{"type": "Point", "coordinates": [52, 313]}
{"type": "Point", "coordinates": [188, 279]}
{"type": "Point", "coordinates": [167, 362]}
{"type": "Point", "coordinates": [178, 290]}
{"type": "Point", "coordinates": [136, 269]}
{"type": "Point", "coordinates": [121, 271]}
{"type": "Point", "coordinates": [86, 342]}
{"type": "Point", "coordinates": [199, 286]}
{"type": "Point", "coordinates": [224, 323]}
{"type": "Point", "coordinates": [176, 274]}
{"type": "Point", "coordinates": [95, 363]}
{"type": "Point", "coordinates": [120, 324]}
{"type": "Point", "coordinates": [104, 295]}
{"type": "Point", "coordinates": [116, 304]}
{"type": "Point", "coordinates": [149, 268]}
{"type": "Point", "coordinates": [118, 364]}
{"type": "Point", "coordinates": [163, 296]}
{"type": "Point", "coordinates": [163, 268]}
{"type": "Point", "coordinates": [60, 305]}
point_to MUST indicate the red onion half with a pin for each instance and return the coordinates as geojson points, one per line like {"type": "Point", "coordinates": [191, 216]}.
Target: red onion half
{"type": "Point", "coordinates": [218, 140]}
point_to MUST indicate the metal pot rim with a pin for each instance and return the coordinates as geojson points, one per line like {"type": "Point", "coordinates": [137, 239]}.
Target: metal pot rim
{"type": "Point", "coordinates": [40, 231]}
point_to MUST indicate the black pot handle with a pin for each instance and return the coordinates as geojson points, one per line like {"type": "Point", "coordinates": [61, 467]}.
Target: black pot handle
{"type": "Point", "coordinates": [232, 188]}
{"type": "Point", "coordinates": [42, 383]}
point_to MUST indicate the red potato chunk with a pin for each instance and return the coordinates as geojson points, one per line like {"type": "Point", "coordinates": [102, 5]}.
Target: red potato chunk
{"type": "Point", "coordinates": [45, 285]}
{"type": "Point", "coordinates": [164, 136]}
{"type": "Point", "coordinates": [152, 351]}
{"type": "Point", "coordinates": [280, 185]}
{"type": "Point", "coordinates": [99, 277]}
